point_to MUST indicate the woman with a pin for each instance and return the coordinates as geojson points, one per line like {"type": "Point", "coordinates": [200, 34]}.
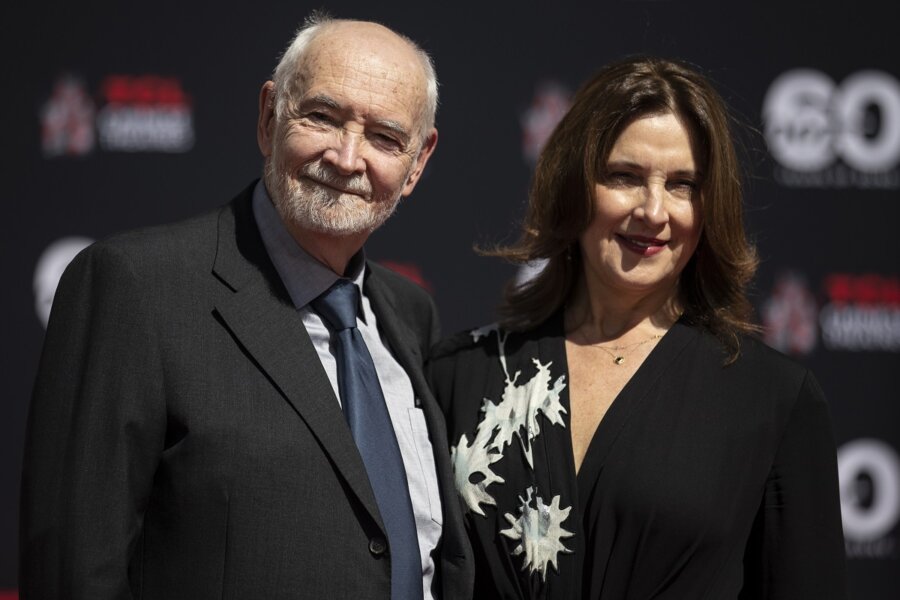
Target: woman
{"type": "Point", "coordinates": [620, 435]}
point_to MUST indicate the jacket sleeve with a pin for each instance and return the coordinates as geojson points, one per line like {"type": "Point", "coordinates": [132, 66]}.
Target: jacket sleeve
{"type": "Point", "coordinates": [796, 549]}
{"type": "Point", "coordinates": [96, 428]}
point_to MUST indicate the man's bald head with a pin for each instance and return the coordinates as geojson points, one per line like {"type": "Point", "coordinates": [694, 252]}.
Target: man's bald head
{"type": "Point", "coordinates": [323, 34]}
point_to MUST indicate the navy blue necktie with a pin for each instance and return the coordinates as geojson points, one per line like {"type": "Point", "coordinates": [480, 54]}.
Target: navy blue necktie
{"type": "Point", "coordinates": [373, 432]}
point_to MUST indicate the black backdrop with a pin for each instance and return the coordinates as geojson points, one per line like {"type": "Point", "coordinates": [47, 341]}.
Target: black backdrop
{"type": "Point", "coordinates": [120, 115]}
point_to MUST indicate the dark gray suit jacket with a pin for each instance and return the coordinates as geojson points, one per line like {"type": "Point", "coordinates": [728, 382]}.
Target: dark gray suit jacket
{"type": "Point", "coordinates": [184, 440]}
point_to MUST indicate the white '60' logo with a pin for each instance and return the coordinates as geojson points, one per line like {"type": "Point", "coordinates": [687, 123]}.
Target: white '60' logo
{"type": "Point", "coordinates": [810, 121]}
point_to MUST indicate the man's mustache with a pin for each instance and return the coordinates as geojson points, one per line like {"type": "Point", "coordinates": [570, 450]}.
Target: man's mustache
{"type": "Point", "coordinates": [355, 184]}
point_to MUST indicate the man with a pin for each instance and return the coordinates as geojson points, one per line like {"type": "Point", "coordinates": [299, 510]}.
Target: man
{"type": "Point", "coordinates": [186, 436]}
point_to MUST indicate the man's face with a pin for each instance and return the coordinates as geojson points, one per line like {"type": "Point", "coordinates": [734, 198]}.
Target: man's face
{"type": "Point", "coordinates": [348, 145]}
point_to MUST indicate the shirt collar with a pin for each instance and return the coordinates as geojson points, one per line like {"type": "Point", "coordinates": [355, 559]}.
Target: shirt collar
{"type": "Point", "coordinates": [304, 277]}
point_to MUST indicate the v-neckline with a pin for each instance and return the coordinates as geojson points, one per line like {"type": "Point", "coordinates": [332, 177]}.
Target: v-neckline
{"type": "Point", "coordinates": [625, 402]}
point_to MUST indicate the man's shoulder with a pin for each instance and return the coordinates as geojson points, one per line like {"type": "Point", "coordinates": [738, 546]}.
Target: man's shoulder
{"type": "Point", "coordinates": [150, 253]}
{"type": "Point", "coordinates": [189, 240]}
{"type": "Point", "coordinates": [405, 300]}
{"type": "Point", "coordinates": [168, 236]}
{"type": "Point", "coordinates": [405, 289]}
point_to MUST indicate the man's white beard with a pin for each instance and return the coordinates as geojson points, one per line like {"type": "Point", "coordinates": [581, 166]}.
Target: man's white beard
{"type": "Point", "coordinates": [308, 204]}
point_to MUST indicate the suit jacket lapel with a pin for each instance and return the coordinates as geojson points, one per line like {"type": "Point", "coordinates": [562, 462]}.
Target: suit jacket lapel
{"type": "Point", "coordinates": [262, 318]}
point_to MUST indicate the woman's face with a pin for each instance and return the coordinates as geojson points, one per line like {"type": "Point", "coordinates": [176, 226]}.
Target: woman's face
{"type": "Point", "coordinates": [646, 220]}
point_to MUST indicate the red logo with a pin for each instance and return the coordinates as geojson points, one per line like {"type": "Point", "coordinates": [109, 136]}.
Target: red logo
{"type": "Point", "coordinates": [869, 289]}
{"type": "Point", "coordinates": [145, 90]}
{"type": "Point", "coordinates": [861, 313]}
{"type": "Point", "coordinates": [145, 113]}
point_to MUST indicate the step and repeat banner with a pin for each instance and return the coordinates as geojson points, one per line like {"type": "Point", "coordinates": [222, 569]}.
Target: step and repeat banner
{"type": "Point", "coordinates": [120, 116]}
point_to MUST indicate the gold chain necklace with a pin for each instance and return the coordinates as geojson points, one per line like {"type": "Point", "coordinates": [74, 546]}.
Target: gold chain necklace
{"type": "Point", "coordinates": [615, 351]}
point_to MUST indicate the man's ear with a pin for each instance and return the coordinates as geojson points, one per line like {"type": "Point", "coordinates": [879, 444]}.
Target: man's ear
{"type": "Point", "coordinates": [265, 125]}
{"type": "Point", "coordinates": [421, 160]}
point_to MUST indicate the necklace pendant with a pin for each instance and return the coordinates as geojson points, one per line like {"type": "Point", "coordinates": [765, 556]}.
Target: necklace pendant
{"type": "Point", "coordinates": [619, 360]}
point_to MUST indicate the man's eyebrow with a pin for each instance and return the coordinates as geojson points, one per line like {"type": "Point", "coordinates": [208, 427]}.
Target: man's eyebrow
{"type": "Point", "coordinates": [394, 126]}
{"type": "Point", "coordinates": [322, 100]}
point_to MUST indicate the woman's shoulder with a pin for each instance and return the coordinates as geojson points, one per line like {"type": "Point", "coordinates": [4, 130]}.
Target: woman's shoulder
{"type": "Point", "coordinates": [753, 354]}
{"type": "Point", "coordinates": [758, 356]}
{"type": "Point", "coordinates": [459, 364]}
{"type": "Point", "coordinates": [763, 387]}
{"type": "Point", "coordinates": [465, 341]}
{"type": "Point", "coordinates": [489, 340]}
{"type": "Point", "coordinates": [759, 371]}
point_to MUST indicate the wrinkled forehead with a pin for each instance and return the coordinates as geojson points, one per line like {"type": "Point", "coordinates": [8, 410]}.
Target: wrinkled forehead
{"type": "Point", "coordinates": [351, 65]}
{"type": "Point", "coordinates": [364, 59]}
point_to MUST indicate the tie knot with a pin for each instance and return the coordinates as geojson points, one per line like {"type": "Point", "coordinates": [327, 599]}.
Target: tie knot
{"type": "Point", "coordinates": [339, 304]}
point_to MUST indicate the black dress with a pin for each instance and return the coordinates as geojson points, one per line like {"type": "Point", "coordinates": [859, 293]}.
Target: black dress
{"type": "Point", "coordinates": [701, 481]}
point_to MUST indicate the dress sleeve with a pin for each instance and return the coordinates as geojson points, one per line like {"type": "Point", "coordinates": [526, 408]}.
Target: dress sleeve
{"type": "Point", "coordinates": [796, 549]}
{"type": "Point", "coordinates": [96, 428]}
